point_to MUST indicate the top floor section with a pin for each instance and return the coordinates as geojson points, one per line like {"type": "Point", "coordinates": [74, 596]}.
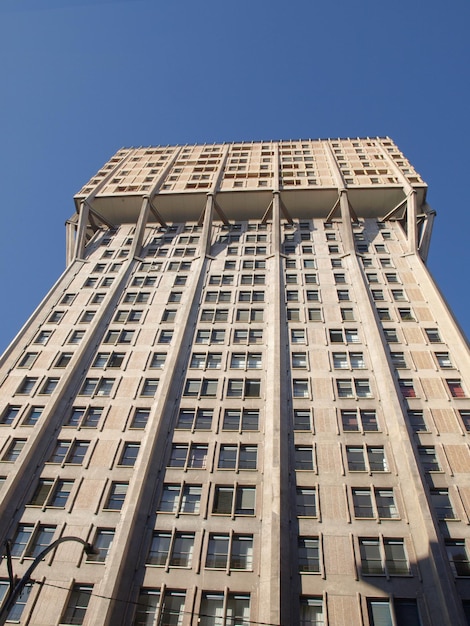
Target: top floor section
{"type": "Point", "coordinates": [308, 174]}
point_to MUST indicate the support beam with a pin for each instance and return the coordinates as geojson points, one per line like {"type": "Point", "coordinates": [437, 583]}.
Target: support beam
{"type": "Point", "coordinates": [81, 230]}
{"type": "Point", "coordinates": [426, 232]}
{"type": "Point", "coordinates": [412, 224]}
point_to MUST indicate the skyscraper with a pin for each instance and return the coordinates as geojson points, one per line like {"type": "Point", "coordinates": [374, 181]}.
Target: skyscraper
{"type": "Point", "coordinates": [247, 393]}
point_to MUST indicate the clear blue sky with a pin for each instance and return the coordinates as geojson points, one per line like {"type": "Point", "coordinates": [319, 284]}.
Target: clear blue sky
{"type": "Point", "coordinates": [79, 82]}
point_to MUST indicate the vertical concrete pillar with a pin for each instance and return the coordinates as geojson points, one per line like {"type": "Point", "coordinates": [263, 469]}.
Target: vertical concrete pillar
{"type": "Point", "coordinates": [412, 222]}
{"type": "Point", "coordinates": [274, 549]}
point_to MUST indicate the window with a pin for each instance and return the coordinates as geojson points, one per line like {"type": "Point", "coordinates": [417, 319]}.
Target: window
{"type": "Point", "coordinates": [27, 385]}
{"type": "Point", "coordinates": [433, 335]}
{"type": "Point", "coordinates": [363, 420]}
{"type": "Point", "coordinates": [43, 337]}
{"type": "Point", "coordinates": [102, 544]}
{"type": "Point", "coordinates": [390, 335]}
{"type": "Point", "coordinates": [380, 556]}
{"type": "Point", "coordinates": [234, 501]}
{"type": "Point", "coordinates": [303, 458]}
{"type": "Point", "coordinates": [189, 419]}
{"type": "Point", "coordinates": [200, 387]}
{"type": "Point", "coordinates": [300, 388]}
{"type": "Point", "coordinates": [428, 458]}
{"type": "Point", "coordinates": [299, 360]}
{"type": "Point", "coordinates": [306, 502]}
{"type": "Point", "coordinates": [372, 278]}
{"type": "Point", "coordinates": [17, 609]}
{"type": "Point", "coordinates": [243, 388]}
{"type": "Point", "coordinates": [465, 417]}
{"type": "Point", "coordinates": [116, 496]}
{"type": "Point", "coordinates": [14, 450]}
{"type": "Point", "coordinates": [455, 388]}
{"type": "Point", "coordinates": [384, 315]}
{"type": "Point", "coordinates": [149, 387]}
{"type": "Point", "coordinates": [309, 555]}
{"type": "Point", "coordinates": [302, 420]}
{"type": "Point", "coordinates": [77, 604]}
{"type": "Point", "coordinates": [82, 417]}
{"type": "Point", "coordinates": [343, 294]}
{"type": "Point", "coordinates": [165, 336]}
{"type": "Point", "coordinates": [140, 418]}
{"type": "Point", "coordinates": [49, 386]}
{"type": "Point", "coordinates": [406, 612]}
{"type": "Point", "coordinates": [86, 317]}
{"type": "Point", "coordinates": [351, 360]}
{"type": "Point", "coordinates": [71, 452]}
{"type": "Point", "coordinates": [361, 388]}
{"type": "Point", "coordinates": [245, 360]}
{"type": "Point", "coordinates": [340, 278]}
{"type": "Point", "coordinates": [347, 315]}
{"type": "Point", "coordinates": [187, 456]}
{"type": "Point", "coordinates": [313, 295]}
{"type": "Point", "coordinates": [28, 359]}
{"type": "Point", "coordinates": [417, 422]}
{"type": "Point", "coordinates": [30, 541]}
{"type": "Point", "coordinates": [458, 557]}
{"type": "Point", "coordinates": [116, 336]}
{"type": "Point", "coordinates": [9, 415]}
{"type": "Point", "coordinates": [315, 315]}
{"type": "Point", "coordinates": [169, 550]}
{"type": "Point", "coordinates": [293, 315]}
{"type": "Point", "coordinates": [234, 610]}
{"type": "Point", "coordinates": [248, 336]}
{"type": "Point", "coordinates": [32, 416]}
{"type": "Point", "coordinates": [177, 500]}
{"type": "Point", "coordinates": [235, 551]}
{"type": "Point", "coordinates": [129, 454]}
{"type": "Point", "coordinates": [131, 297]}
{"type": "Point", "coordinates": [398, 360]}
{"type": "Point", "coordinates": [297, 335]}
{"type": "Point", "coordinates": [51, 493]}
{"type": "Point", "coordinates": [63, 359]}
{"type": "Point", "coordinates": [249, 315]}
{"type": "Point", "coordinates": [443, 360]}
{"type": "Point", "coordinates": [214, 315]}
{"type": "Point", "coordinates": [373, 461]}
{"type": "Point", "coordinates": [406, 315]}
{"type": "Point", "coordinates": [105, 359]}
{"type": "Point", "coordinates": [374, 503]}
{"type": "Point", "coordinates": [76, 337]}
{"type": "Point", "coordinates": [406, 387]}
{"type": "Point", "coordinates": [238, 457]}
{"type": "Point", "coordinates": [68, 298]}
{"type": "Point", "coordinates": [398, 295]}
{"type": "Point", "coordinates": [97, 387]}
{"type": "Point", "coordinates": [210, 336]}
{"type": "Point", "coordinates": [442, 505]}
{"type": "Point", "coordinates": [311, 611]}
{"type": "Point", "coordinates": [237, 420]}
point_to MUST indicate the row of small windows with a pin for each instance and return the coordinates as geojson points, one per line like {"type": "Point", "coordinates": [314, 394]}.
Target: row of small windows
{"type": "Point", "coordinates": [352, 420]}
{"type": "Point", "coordinates": [155, 606]}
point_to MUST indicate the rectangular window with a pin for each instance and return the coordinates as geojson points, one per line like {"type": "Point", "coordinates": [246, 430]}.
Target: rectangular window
{"type": "Point", "coordinates": [441, 504]}
{"type": "Point", "coordinates": [77, 604]}
{"type": "Point", "coordinates": [458, 557]}
{"type": "Point", "coordinates": [428, 458]}
{"type": "Point", "coordinates": [309, 555]}
{"type": "Point", "coordinates": [13, 451]}
{"type": "Point", "coordinates": [417, 422]}
{"type": "Point", "coordinates": [129, 454]}
{"type": "Point", "coordinates": [237, 420]}
{"type": "Point", "coordinates": [102, 543]}
{"type": "Point", "coordinates": [116, 496]}
{"type": "Point", "coordinates": [149, 387]}
{"type": "Point", "coordinates": [230, 501]}
{"type": "Point", "coordinates": [9, 415]}
{"type": "Point", "coordinates": [311, 611]}
{"type": "Point", "coordinates": [380, 556]}
{"type": "Point", "coordinates": [433, 335]}
{"type": "Point", "coordinates": [214, 611]}
{"type": "Point", "coordinates": [303, 459]}
{"type": "Point", "coordinates": [306, 502]}
{"type": "Point", "coordinates": [455, 388]}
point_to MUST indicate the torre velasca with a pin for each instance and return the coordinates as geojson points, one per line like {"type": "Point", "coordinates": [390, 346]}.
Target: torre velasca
{"type": "Point", "coordinates": [247, 394]}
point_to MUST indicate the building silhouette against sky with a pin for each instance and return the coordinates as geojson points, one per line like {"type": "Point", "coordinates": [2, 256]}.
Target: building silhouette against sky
{"type": "Point", "coordinates": [247, 393]}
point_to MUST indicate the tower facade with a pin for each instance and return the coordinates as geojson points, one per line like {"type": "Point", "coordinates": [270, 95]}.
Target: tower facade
{"type": "Point", "coordinates": [247, 393]}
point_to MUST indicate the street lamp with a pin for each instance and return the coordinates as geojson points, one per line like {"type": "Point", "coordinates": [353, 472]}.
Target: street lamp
{"type": "Point", "coordinates": [16, 588]}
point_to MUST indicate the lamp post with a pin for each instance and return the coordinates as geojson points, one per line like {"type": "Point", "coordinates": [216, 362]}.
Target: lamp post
{"type": "Point", "coordinates": [16, 588]}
